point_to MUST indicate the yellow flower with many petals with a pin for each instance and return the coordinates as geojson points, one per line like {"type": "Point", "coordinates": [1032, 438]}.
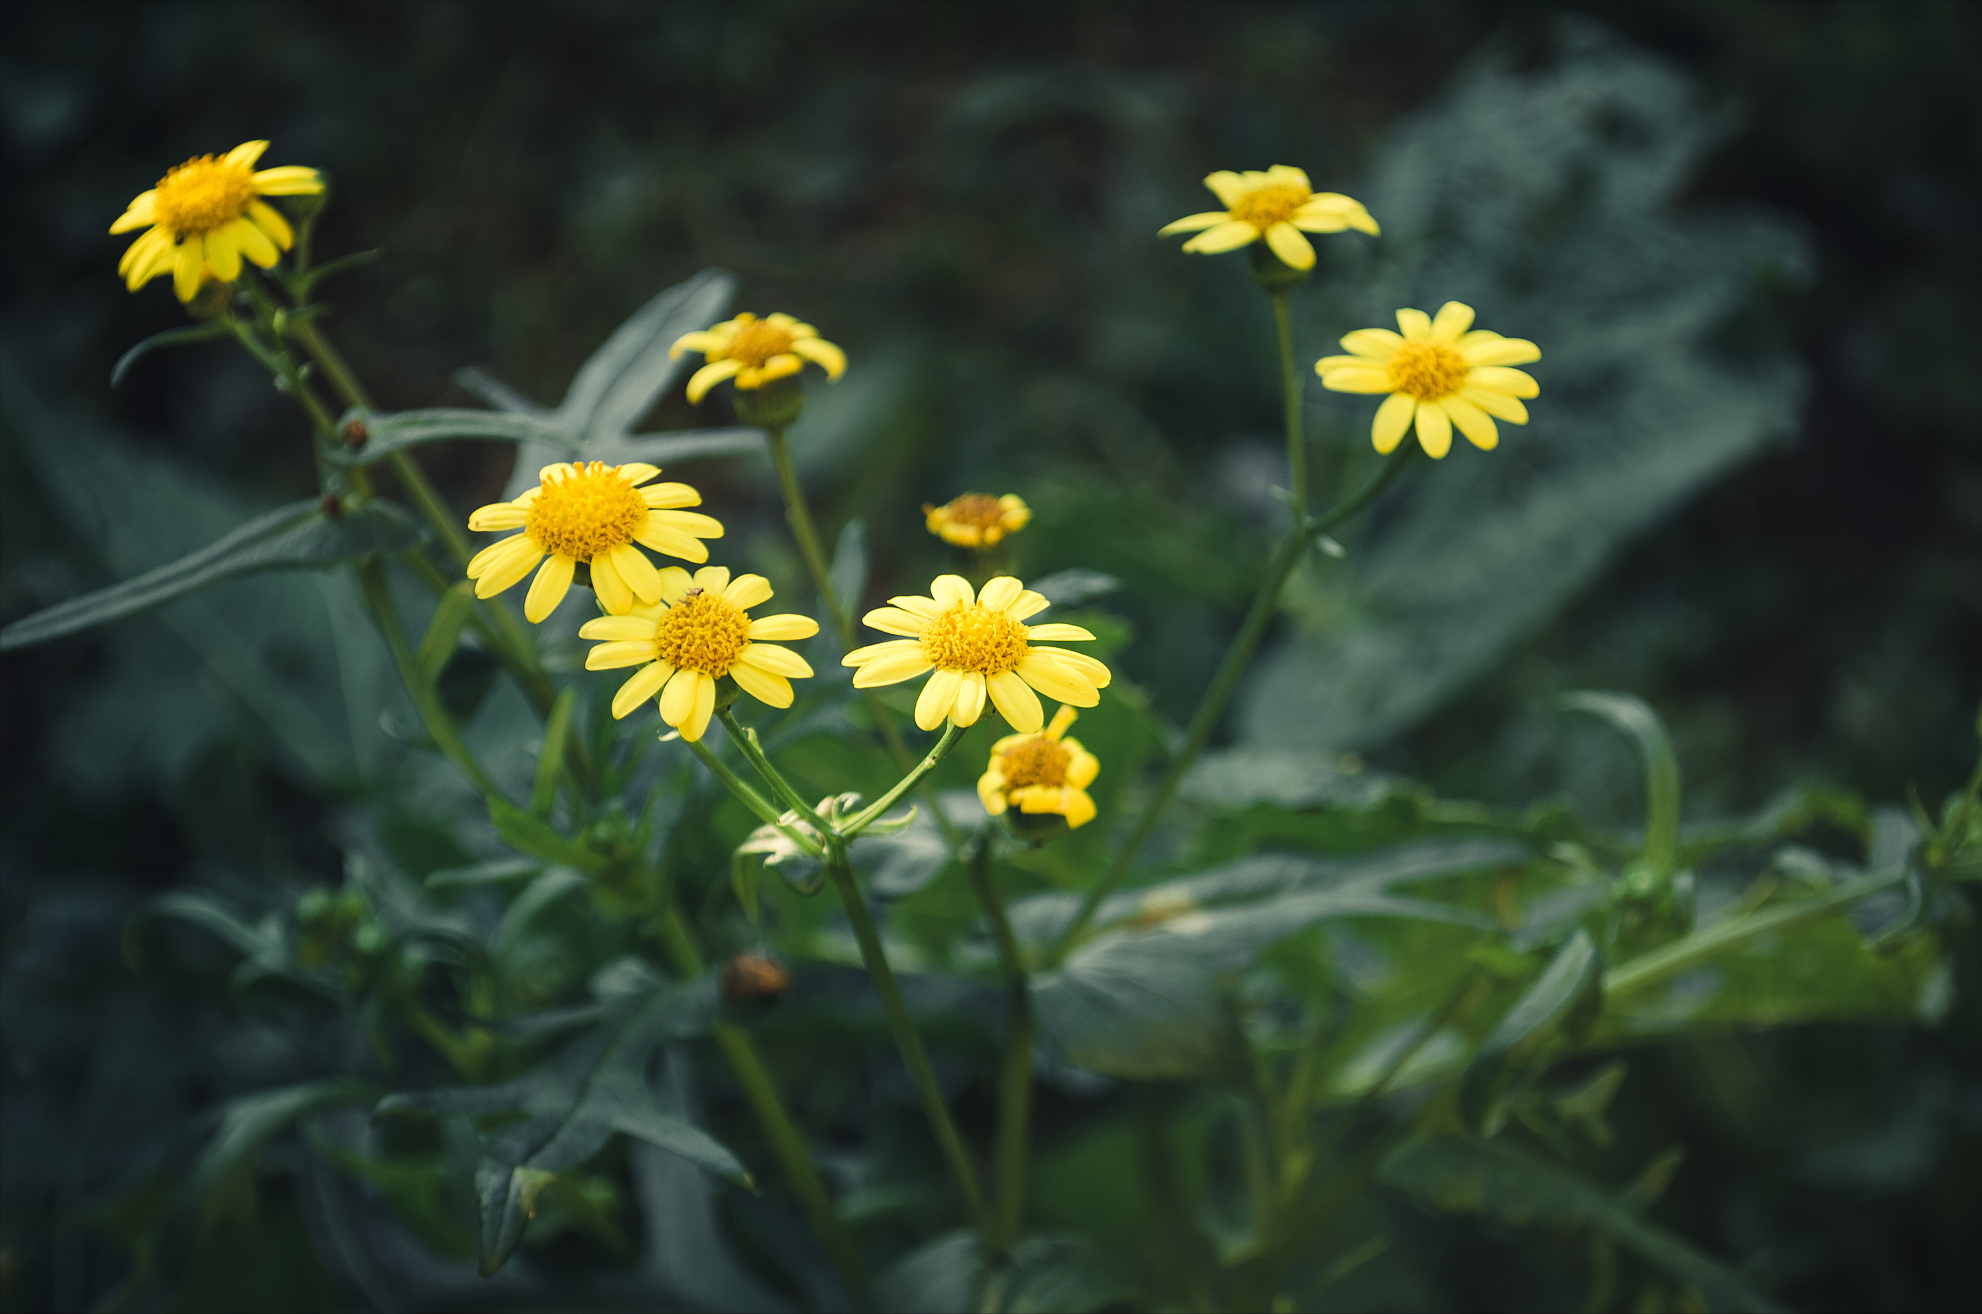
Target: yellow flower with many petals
{"type": "Point", "coordinates": [756, 351]}
{"type": "Point", "coordinates": [593, 513]}
{"type": "Point", "coordinates": [696, 633]}
{"type": "Point", "coordinates": [1439, 374]}
{"type": "Point", "coordinates": [1042, 773]}
{"type": "Point", "coordinates": [978, 520]}
{"type": "Point", "coordinates": [1275, 205]}
{"type": "Point", "coordinates": [980, 647]}
{"type": "Point", "coordinates": [206, 214]}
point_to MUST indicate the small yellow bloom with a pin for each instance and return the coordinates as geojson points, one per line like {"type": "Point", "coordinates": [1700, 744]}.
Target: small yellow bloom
{"type": "Point", "coordinates": [206, 214]}
{"type": "Point", "coordinates": [979, 647]}
{"type": "Point", "coordinates": [698, 631]}
{"type": "Point", "coordinates": [593, 513]}
{"type": "Point", "coordinates": [1438, 374]}
{"type": "Point", "coordinates": [978, 520]}
{"type": "Point", "coordinates": [756, 351]}
{"type": "Point", "coordinates": [1042, 773]}
{"type": "Point", "coordinates": [1276, 205]}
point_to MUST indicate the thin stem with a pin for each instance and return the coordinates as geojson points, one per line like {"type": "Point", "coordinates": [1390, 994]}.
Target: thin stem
{"type": "Point", "coordinates": [1015, 1069]}
{"type": "Point", "coordinates": [862, 819]}
{"type": "Point", "coordinates": [751, 798]}
{"type": "Point", "coordinates": [371, 579]}
{"type": "Point", "coordinates": [779, 1130]}
{"type": "Point", "coordinates": [753, 753]}
{"type": "Point", "coordinates": [906, 1039]}
{"type": "Point", "coordinates": [1290, 387]}
{"type": "Point", "coordinates": [1226, 682]}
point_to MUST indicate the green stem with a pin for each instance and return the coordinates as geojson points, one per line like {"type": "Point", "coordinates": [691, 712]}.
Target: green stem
{"type": "Point", "coordinates": [371, 579]}
{"type": "Point", "coordinates": [751, 798]}
{"type": "Point", "coordinates": [1015, 1070]}
{"type": "Point", "coordinates": [753, 753]}
{"type": "Point", "coordinates": [861, 820]}
{"type": "Point", "coordinates": [1290, 389]}
{"type": "Point", "coordinates": [906, 1039]}
{"type": "Point", "coordinates": [1226, 682]}
{"type": "Point", "coordinates": [779, 1130]}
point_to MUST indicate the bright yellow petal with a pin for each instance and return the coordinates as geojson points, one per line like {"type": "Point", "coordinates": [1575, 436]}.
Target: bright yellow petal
{"type": "Point", "coordinates": [970, 700]}
{"type": "Point", "coordinates": [1454, 318]}
{"type": "Point", "coordinates": [876, 651]}
{"type": "Point", "coordinates": [612, 656]}
{"type": "Point", "coordinates": [951, 591]}
{"type": "Point", "coordinates": [712, 579]}
{"type": "Point", "coordinates": [1062, 721]}
{"type": "Point", "coordinates": [1082, 769]}
{"type": "Point", "coordinates": [765, 687]}
{"type": "Point", "coordinates": [1229, 236]}
{"type": "Point", "coordinates": [614, 594]}
{"type": "Point", "coordinates": [1475, 423]}
{"type": "Point", "coordinates": [1519, 383]}
{"type": "Point", "coordinates": [288, 180]}
{"type": "Point", "coordinates": [549, 588]}
{"type": "Point", "coordinates": [747, 591]}
{"type": "Point", "coordinates": [1356, 380]}
{"type": "Point", "coordinates": [637, 571]}
{"type": "Point", "coordinates": [270, 221]}
{"type": "Point", "coordinates": [1057, 633]}
{"type": "Point", "coordinates": [1227, 186]}
{"type": "Point", "coordinates": [1192, 223]}
{"type": "Point", "coordinates": [1500, 351]}
{"type": "Point", "coordinates": [693, 523]}
{"type": "Point", "coordinates": [927, 608]}
{"type": "Point", "coordinates": [1374, 343]}
{"type": "Point", "coordinates": [620, 629]}
{"type": "Point", "coordinates": [709, 376]}
{"type": "Point", "coordinates": [1027, 604]}
{"type": "Point", "coordinates": [678, 698]}
{"type": "Point", "coordinates": [666, 496]}
{"type": "Point", "coordinates": [1287, 242]}
{"type": "Point", "coordinates": [891, 669]}
{"type": "Point", "coordinates": [893, 620]}
{"type": "Point", "coordinates": [1076, 807]}
{"type": "Point", "coordinates": [498, 515]}
{"type": "Point", "coordinates": [999, 593]}
{"type": "Point", "coordinates": [223, 254]}
{"type": "Point", "coordinates": [499, 551]}
{"type": "Point", "coordinates": [141, 255]}
{"type": "Point", "coordinates": [245, 155]}
{"type": "Point", "coordinates": [787, 626]}
{"type": "Point", "coordinates": [1056, 681]}
{"type": "Point", "coordinates": [645, 683]}
{"type": "Point", "coordinates": [675, 583]}
{"type": "Point", "coordinates": [1086, 667]}
{"type": "Point", "coordinates": [1434, 430]}
{"type": "Point", "coordinates": [823, 354]}
{"type": "Point", "coordinates": [1415, 324]}
{"type": "Point", "coordinates": [1497, 404]}
{"type": "Point", "coordinates": [254, 243]}
{"type": "Point", "coordinates": [1016, 702]}
{"type": "Point", "coordinates": [188, 267]}
{"type": "Point", "coordinates": [662, 537]}
{"type": "Point", "coordinates": [1392, 419]}
{"type": "Point", "coordinates": [991, 793]}
{"type": "Point", "coordinates": [933, 704]}
{"type": "Point", "coordinates": [705, 707]}
{"type": "Point", "coordinates": [509, 570]}
{"type": "Point", "coordinates": [142, 213]}
{"type": "Point", "coordinates": [697, 341]}
{"type": "Point", "coordinates": [779, 661]}
{"type": "Point", "coordinates": [638, 472]}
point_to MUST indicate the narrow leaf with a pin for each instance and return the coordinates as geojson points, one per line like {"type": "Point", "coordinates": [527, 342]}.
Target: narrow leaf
{"type": "Point", "coordinates": [535, 836]}
{"type": "Point", "coordinates": [384, 434]}
{"type": "Point", "coordinates": [628, 373]}
{"type": "Point", "coordinates": [550, 760]}
{"type": "Point", "coordinates": [1574, 977]}
{"type": "Point", "coordinates": [177, 337]}
{"type": "Point", "coordinates": [444, 631]}
{"type": "Point", "coordinates": [1642, 726]}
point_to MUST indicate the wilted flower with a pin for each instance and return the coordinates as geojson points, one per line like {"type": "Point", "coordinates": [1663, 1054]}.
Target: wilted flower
{"type": "Point", "coordinates": [206, 214]}
{"type": "Point", "coordinates": [1437, 373]}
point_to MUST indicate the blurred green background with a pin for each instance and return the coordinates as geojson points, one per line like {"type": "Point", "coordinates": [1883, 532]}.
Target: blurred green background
{"type": "Point", "coordinates": [1743, 234]}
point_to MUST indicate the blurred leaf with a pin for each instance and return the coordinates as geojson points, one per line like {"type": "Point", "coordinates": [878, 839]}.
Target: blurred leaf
{"type": "Point", "coordinates": [536, 837]}
{"type": "Point", "coordinates": [1633, 717]}
{"type": "Point", "coordinates": [1059, 1275]}
{"type": "Point", "coordinates": [538, 895]}
{"type": "Point", "coordinates": [550, 757]}
{"type": "Point", "coordinates": [177, 337]}
{"type": "Point", "coordinates": [1493, 1179]}
{"type": "Point", "coordinates": [1287, 778]}
{"type": "Point", "coordinates": [938, 1277]}
{"type": "Point", "coordinates": [444, 630]}
{"type": "Point", "coordinates": [399, 430]}
{"type": "Point", "coordinates": [484, 873]}
{"type": "Point", "coordinates": [1549, 200]}
{"type": "Point", "coordinates": [249, 1122]}
{"type": "Point", "coordinates": [899, 857]}
{"type": "Point", "coordinates": [1572, 980]}
{"type": "Point", "coordinates": [767, 846]}
{"type": "Point", "coordinates": [296, 536]}
{"type": "Point", "coordinates": [623, 379]}
{"type": "Point", "coordinates": [849, 569]}
{"type": "Point", "coordinates": [1070, 588]}
{"type": "Point", "coordinates": [573, 1104]}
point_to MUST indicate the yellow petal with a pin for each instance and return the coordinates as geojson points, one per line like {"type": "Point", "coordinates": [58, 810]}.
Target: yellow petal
{"type": "Point", "coordinates": [1056, 681]}
{"type": "Point", "coordinates": [141, 213]}
{"type": "Point", "coordinates": [1517, 382]}
{"type": "Point", "coordinates": [765, 687]}
{"type": "Point", "coordinates": [612, 656]}
{"type": "Point", "coordinates": [548, 589]}
{"type": "Point", "coordinates": [747, 591]}
{"type": "Point", "coordinates": [970, 700]}
{"type": "Point", "coordinates": [693, 523]}
{"type": "Point", "coordinates": [188, 267]}
{"type": "Point", "coordinates": [891, 669]}
{"type": "Point", "coordinates": [1016, 702]}
{"type": "Point", "coordinates": [951, 591]}
{"type": "Point", "coordinates": [498, 515]}
{"type": "Point", "coordinates": [1454, 318]}
{"type": "Point", "coordinates": [1294, 250]}
{"type": "Point", "coordinates": [991, 793]}
{"type": "Point", "coordinates": [1028, 604]}
{"type": "Point", "coordinates": [1086, 667]}
{"type": "Point", "coordinates": [1356, 380]}
{"type": "Point", "coordinates": [501, 550]}
{"type": "Point", "coordinates": [1062, 721]}
{"type": "Point", "coordinates": [638, 472]}
{"type": "Point", "coordinates": [1374, 343]}
{"type": "Point", "coordinates": [678, 698]}
{"type": "Point", "coordinates": [1192, 223]}
{"type": "Point", "coordinates": [787, 626]}
{"type": "Point", "coordinates": [675, 583]}
{"type": "Point", "coordinates": [1392, 419]}
{"type": "Point", "coordinates": [705, 707]}
{"type": "Point", "coordinates": [927, 608]}
{"type": "Point", "coordinates": [270, 221]}
{"type": "Point", "coordinates": [1500, 351]}
{"type": "Point", "coordinates": [1434, 430]}
{"type": "Point", "coordinates": [637, 571]}
{"type": "Point", "coordinates": [1076, 807]}
{"type": "Point", "coordinates": [712, 579]}
{"type": "Point", "coordinates": [933, 704]}
{"type": "Point", "coordinates": [254, 243]}
{"type": "Point", "coordinates": [697, 341]}
{"type": "Point", "coordinates": [645, 682]}
{"type": "Point", "coordinates": [245, 155]}
{"type": "Point", "coordinates": [288, 180]}
{"type": "Point", "coordinates": [662, 537]}
{"type": "Point", "coordinates": [1229, 236]}
{"type": "Point", "coordinates": [618, 628]}
{"type": "Point", "coordinates": [893, 620]}
{"type": "Point", "coordinates": [1227, 186]}
{"type": "Point", "coordinates": [140, 255]}
{"type": "Point", "coordinates": [1472, 421]}
{"type": "Point", "coordinates": [876, 651]}
{"type": "Point", "coordinates": [665, 496]}
{"type": "Point", "coordinates": [779, 661]}
{"type": "Point", "coordinates": [613, 592]}
{"type": "Point", "coordinates": [1082, 769]}
{"type": "Point", "coordinates": [1497, 404]}
{"type": "Point", "coordinates": [1415, 324]}
{"type": "Point", "coordinates": [1288, 176]}
{"type": "Point", "coordinates": [709, 376]}
{"type": "Point", "coordinates": [823, 354]}
{"type": "Point", "coordinates": [1057, 632]}
{"type": "Point", "coordinates": [999, 593]}
{"type": "Point", "coordinates": [223, 255]}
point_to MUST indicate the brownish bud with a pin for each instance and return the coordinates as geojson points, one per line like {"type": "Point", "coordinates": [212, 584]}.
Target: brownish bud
{"type": "Point", "coordinates": [750, 979]}
{"type": "Point", "coordinates": [356, 435]}
{"type": "Point", "coordinates": [331, 505]}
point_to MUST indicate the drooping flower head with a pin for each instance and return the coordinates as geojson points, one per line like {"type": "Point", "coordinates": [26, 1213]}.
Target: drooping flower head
{"type": "Point", "coordinates": [593, 513]}
{"type": "Point", "coordinates": [755, 352]}
{"type": "Point", "coordinates": [696, 633]}
{"type": "Point", "coordinates": [980, 647]}
{"type": "Point", "coordinates": [1041, 774]}
{"type": "Point", "coordinates": [1437, 373]}
{"type": "Point", "coordinates": [978, 520]}
{"type": "Point", "coordinates": [1275, 205]}
{"type": "Point", "coordinates": [206, 214]}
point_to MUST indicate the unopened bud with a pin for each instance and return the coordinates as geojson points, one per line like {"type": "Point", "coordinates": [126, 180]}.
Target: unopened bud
{"type": "Point", "coordinates": [356, 435]}
{"type": "Point", "coordinates": [748, 978]}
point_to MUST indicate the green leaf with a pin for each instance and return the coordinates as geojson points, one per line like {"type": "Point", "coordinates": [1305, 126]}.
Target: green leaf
{"type": "Point", "coordinates": [1572, 980]}
{"type": "Point", "coordinates": [444, 631]}
{"type": "Point", "coordinates": [848, 572]}
{"type": "Point", "coordinates": [1070, 588]}
{"type": "Point", "coordinates": [550, 758]}
{"type": "Point", "coordinates": [248, 1123]}
{"type": "Point", "coordinates": [938, 1277]}
{"type": "Point", "coordinates": [535, 836]}
{"type": "Point", "coordinates": [538, 895]}
{"type": "Point", "coordinates": [396, 431]}
{"type": "Point", "coordinates": [1632, 716]}
{"type": "Point", "coordinates": [294, 537]}
{"type": "Point", "coordinates": [573, 1104]}
{"type": "Point", "coordinates": [1495, 1180]}
{"type": "Point", "coordinates": [623, 379]}
{"type": "Point", "coordinates": [767, 846]}
{"type": "Point", "coordinates": [177, 337]}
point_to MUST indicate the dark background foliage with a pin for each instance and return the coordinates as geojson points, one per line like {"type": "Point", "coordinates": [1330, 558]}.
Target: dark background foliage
{"type": "Point", "coordinates": [958, 195]}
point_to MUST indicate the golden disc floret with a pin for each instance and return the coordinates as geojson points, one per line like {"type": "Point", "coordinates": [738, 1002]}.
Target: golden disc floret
{"type": "Point", "coordinates": [585, 511]}
{"type": "Point", "coordinates": [1041, 774]}
{"type": "Point", "coordinates": [973, 637]}
{"type": "Point", "coordinates": [702, 633]}
{"type": "Point", "coordinates": [755, 352]}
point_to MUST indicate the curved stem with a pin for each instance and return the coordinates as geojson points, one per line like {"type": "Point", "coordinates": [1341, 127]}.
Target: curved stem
{"type": "Point", "coordinates": [753, 752]}
{"type": "Point", "coordinates": [906, 1039]}
{"type": "Point", "coordinates": [861, 820]}
{"type": "Point", "coordinates": [1015, 1069]}
{"type": "Point", "coordinates": [751, 798]}
{"type": "Point", "coordinates": [1290, 397]}
{"type": "Point", "coordinates": [1226, 682]}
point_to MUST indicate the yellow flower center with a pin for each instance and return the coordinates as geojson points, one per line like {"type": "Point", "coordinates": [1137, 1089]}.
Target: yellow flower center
{"type": "Point", "coordinates": [201, 195]}
{"type": "Point", "coordinates": [1427, 369]}
{"type": "Point", "coordinates": [1272, 204]}
{"type": "Point", "coordinates": [979, 509]}
{"type": "Point", "coordinates": [586, 513]}
{"type": "Point", "coordinates": [702, 633]}
{"type": "Point", "coordinates": [968, 637]}
{"type": "Point", "coordinates": [1036, 761]}
{"type": "Point", "coordinates": [758, 341]}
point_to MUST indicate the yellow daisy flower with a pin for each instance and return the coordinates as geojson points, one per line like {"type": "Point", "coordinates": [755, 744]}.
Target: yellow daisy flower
{"type": "Point", "coordinates": [978, 520]}
{"type": "Point", "coordinates": [1437, 373]}
{"type": "Point", "coordinates": [696, 633]}
{"type": "Point", "coordinates": [206, 214]}
{"type": "Point", "coordinates": [1276, 205]}
{"type": "Point", "coordinates": [979, 647]}
{"type": "Point", "coordinates": [756, 351]}
{"type": "Point", "coordinates": [1042, 773]}
{"type": "Point", "coordinates": [593, 513]}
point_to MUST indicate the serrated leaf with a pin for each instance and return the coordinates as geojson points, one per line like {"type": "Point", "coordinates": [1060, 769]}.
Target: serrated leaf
{"type": "Point", "coordinates": [1573, 979]}
{"type": "Point", "coordinates": [1496, 1180]}
{"type": "Point", "coordinates": [294, 537]}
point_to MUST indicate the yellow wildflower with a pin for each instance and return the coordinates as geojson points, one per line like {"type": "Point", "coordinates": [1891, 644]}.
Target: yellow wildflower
{"type": "Point", "coordinates": [978, 520]}
{"type": "Point", "coordinates": [592, 513]}
{"type": "Point", "coordinates": [206, 214]}
{"type": "Point", "coordinates": [1276, 205]}
{"type": "Point", "coordinates": [1042, 773]}
{"type": "Point", "coordinates": [1437, 373]}
{"type": "Point", "coordinates": [698, 631]}
{"type": "Point", "coordinates": [756, 351]}
{"type": "Point", "coordinates": [979, 647]}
